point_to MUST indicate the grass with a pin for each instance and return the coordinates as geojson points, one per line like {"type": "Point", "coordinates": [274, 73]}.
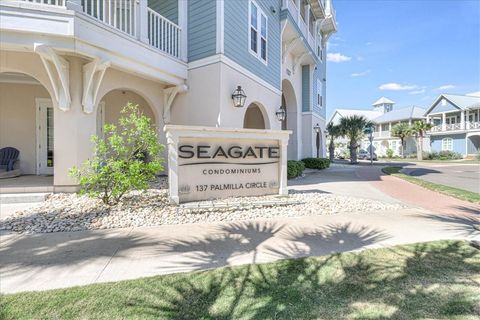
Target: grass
{"type": "Point", "coordinates": [460, 161]}
{"type": "Point", "coordinates": [436, 280]}
{"type": "Point", "coordinates": [450, 191]}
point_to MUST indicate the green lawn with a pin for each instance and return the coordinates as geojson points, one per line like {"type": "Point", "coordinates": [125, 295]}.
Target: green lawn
{"type": "Point", "coordinates": [451, 191]}
{"type": "Point", "coordinates": [398, 159]}
{"type": "Point", "coordinates": [437, 280]}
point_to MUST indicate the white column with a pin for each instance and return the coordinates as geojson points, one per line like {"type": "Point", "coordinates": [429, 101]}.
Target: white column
{"type": "Point", "coordinates": [73, 130]}
{"type": "Point", "coordinates": [183, 24]}
{"type": "Point", "coordinates": [428, 119]}
{"type": "Point", "coordinates": [467, 120]}
{"type": "Point", "coordinates": [462, 120]}
{"type": "Point", "coordinates": [444, 122]}
{"type": "Point", "coordinates": [283, 167]}
{"type": "Point", "coordinates": [142, 21]}
{"type": "Point", "coordinates": [389, 129]}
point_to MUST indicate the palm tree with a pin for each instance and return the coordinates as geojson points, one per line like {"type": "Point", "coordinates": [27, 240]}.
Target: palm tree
{"type": "Point", "coordinates": [333, 132]}
{"type": "Point", "coordinates": [403, 131]}
{"type": "Point", "coordinates": [352, 127]}
{"type": "Point", "coordinates": [419, 128]}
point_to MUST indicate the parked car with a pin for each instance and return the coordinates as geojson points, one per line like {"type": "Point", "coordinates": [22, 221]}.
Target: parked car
{"type": "Point", "coordinates": [365, 155]}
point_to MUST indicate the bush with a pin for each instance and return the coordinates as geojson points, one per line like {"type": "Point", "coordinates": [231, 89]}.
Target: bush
{"type": "Point", "coordinates": [316, 163]}
{"type": "Point", "coordinates": [442, 155]}
{"type": "Point", "coordinates": [127, 159]}
{"type": "Point", "coordinates": [389, 153]}
{"type": "Point", "coordinates": [294, 168]}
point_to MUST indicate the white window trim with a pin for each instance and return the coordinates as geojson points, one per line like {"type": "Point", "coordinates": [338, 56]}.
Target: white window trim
{"type": "Point", "coordinates": [449, 148]}
{"type": "Point", "coordinates": [319, 93]}
{"type": "Point", "coordinates": [260, 12]}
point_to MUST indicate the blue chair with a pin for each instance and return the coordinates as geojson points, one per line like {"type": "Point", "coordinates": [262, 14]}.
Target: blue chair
{"type": "Point", "coordinates": [8, 157]}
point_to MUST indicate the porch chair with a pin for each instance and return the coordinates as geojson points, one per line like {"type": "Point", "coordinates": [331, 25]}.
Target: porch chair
{"type": "Point", "coordinates": [8, 157]}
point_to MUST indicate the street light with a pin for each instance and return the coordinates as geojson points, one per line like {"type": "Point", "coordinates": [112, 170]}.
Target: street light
{"type": "Point", "coordinates": [238, 97]}
{"type": "Point", "coordinates": [281, 114]}
{"type": "Point", "coordinates": [318, 130]}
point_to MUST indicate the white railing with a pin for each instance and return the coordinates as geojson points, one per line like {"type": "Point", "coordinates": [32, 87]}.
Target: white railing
{"type": "Point", "coordinates": [473, 125]}
{"type": "Point", "coordinates": [120, 14]}
{"type": "Point", "coordinates": [300, 21]}
{"type": "Point", "coordinates": [48, 2]}
{"type": "Point", "coordinates": [163, 34]}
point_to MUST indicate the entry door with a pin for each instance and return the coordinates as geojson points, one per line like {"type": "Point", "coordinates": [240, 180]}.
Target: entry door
{"type": "Point", "coordinates": [45, 159]}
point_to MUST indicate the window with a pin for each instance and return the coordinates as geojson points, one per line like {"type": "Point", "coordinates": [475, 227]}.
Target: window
{"type": "Point", "coordinates": [319, 94]}
{"type": "Point", "coordinates": [258, 32]}
{"type": "Point", "coordinates": [447, 144]}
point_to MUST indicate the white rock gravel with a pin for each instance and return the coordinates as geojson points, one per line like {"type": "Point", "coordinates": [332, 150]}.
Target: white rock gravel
{"type": "Point", "coordinates": [70, 212]}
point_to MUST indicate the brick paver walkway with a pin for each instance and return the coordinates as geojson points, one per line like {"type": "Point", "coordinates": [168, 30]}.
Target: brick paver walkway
{"type": "Point", "coordinates": [415, 195]}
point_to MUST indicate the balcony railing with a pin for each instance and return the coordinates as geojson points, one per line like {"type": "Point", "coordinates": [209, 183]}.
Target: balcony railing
{"type": "Point", "coordinates": [50, 2]}
{"type": "Point", "coordinates": [455, 126]}
{"type": "Point", "coordinates": [125, 16]}
{"type": "Point", "coordinates": [300, 21]}
{"type": "Point", "coordinates": [120, 14]}
{"type": "Point", "coordinates": [163, 34]}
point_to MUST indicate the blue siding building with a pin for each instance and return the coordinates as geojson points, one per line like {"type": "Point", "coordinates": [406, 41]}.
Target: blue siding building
{"type": "Point", "coordinates": [456, 124]}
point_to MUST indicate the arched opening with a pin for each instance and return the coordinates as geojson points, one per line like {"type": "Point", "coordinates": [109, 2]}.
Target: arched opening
{"type": "Point", "coordinates": [254, 117]}
{"type": "Point", "coordinates": [473, 145]}
{"type": "Point", "coordinates": [289, 102]}
{"type": "Point", "coordinates": [27, 123]}
{"type": "Point", "coordinates": [112, 103]}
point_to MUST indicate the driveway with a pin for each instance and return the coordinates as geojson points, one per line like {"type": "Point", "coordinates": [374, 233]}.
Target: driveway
{"type": "Point", "coordinates": [465, 176]}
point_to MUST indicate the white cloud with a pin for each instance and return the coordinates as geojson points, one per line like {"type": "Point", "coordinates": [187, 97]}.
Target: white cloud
{"type": "Point", "coordinates": [361, 74]}
{"type": "Point", "coordinates": [396, 86]}
{"type": "Point", "coordinates": [446, 87]}
{"type": "Point", "coordinates": [474, 94]}
{"type": "Point", "coordinates": [369, 43]}
{"type": "Point", "coordinates": [417, 91]}
{"type": "Point", "coordinates": [337, 57]}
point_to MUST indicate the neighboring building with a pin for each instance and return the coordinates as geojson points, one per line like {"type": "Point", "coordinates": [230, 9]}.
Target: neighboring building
{"type": "Point", "coordinates": [385, 116]}
{"type": "Point", "coordinates": [67, 66]}
{"type": "Point", "coordinates": [456, 120]}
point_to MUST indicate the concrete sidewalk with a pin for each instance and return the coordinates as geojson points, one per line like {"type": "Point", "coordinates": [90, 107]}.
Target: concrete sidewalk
{"type": "Point", "coordinates": [46, 261]}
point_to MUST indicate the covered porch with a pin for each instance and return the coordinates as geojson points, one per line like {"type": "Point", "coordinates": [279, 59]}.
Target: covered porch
{"type": "Point", "coordinates": [27, 184]}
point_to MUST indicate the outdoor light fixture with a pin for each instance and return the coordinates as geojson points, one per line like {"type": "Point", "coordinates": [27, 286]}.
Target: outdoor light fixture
{"type": "Point", "coordinates": [281, 114]}
{"type": "Point", "coordinates": [317, 130]}
{"type": "Point", "coordinates": [239, 97]}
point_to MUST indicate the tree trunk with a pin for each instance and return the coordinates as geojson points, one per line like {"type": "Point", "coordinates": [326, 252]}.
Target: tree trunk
{"type": "Point", "coordinates": [331, 150]}
{"type": "Point", "coordinates": [402, 150]}
{"type": "Point", "coordinates": [353, 152]}
{"type": "Point", "coordinates": [420, 147]}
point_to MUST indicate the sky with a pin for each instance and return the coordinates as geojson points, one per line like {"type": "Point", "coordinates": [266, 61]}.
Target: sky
{"type": "Point", "coordinates": [407, 50]}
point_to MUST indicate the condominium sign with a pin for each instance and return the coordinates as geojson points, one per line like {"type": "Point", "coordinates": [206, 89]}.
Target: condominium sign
{"type": "Point", "coordinates": [210, 163]}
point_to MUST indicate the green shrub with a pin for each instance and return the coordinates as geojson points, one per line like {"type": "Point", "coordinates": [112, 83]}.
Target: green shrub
{"type": "Point", "coordinates": [442, 155]}
{"type": "Point", "coordinates": [316, 163]}
{"type": "Point", "coordinates": [127, 159]}
{"type": "Point", "coordinates": [389, 153]}
{"type": "Point", "coordinates": [294, 168]}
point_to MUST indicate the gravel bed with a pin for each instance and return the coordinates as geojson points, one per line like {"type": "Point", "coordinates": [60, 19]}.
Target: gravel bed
{"type": "Point", "coordinates": [70, 212]}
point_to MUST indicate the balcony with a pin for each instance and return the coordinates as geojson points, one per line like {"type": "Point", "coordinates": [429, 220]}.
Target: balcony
{"type": "Point", "coordinates": [128, 33]}
{"type": "Point", "coordinates": [300, 19]}
{"type": "Point", "coordinates": [127, 16]}
{"type": "Point", "coordinates": [456, 127]}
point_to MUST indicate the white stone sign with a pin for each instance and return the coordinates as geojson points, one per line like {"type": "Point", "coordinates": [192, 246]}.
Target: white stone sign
{"type": "Point", "coordinates": [211, 163]}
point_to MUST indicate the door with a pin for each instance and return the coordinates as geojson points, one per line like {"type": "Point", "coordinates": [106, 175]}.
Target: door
{"type": "Point", "coordinates": [45, 151]}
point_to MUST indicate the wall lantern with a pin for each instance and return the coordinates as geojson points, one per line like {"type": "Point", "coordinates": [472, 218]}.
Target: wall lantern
{"type": "Point", "coordinates": [281, 114]}
{"type": "Point", "coordinates": [239, 97]}
{"type": "Point", "coordinates": [317, 128]}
